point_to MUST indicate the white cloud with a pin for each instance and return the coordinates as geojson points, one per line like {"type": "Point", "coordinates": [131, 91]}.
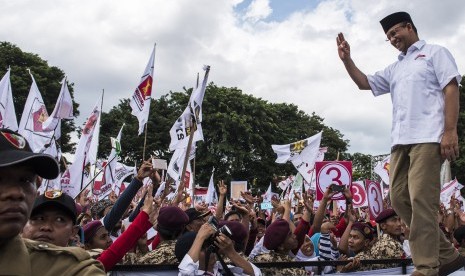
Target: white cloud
{"type": "Point", "coordinates": [106, 44]}
{"type": "Point", "coordinates": [258, 10]}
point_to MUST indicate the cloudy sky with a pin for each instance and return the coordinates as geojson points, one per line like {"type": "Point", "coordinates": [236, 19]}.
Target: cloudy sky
{"type": "Point", "coordinates": [278, 50]}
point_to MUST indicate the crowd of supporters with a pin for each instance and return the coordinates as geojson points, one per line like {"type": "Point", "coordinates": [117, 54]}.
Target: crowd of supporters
{"type": "Point", "coordinates": [155, 224]}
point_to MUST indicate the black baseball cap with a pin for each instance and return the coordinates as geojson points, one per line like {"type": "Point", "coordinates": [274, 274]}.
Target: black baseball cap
{"type": "Point", "coordinates": [14, 150]}
{"type": "Point", "coordinates": [193, 214]}
{"type": "Point", "coordinates": [57, 199]}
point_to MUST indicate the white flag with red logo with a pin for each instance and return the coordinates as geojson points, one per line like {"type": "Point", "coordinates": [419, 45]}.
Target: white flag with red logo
{"type": "Point", "coordinates": [7, 108]}
{"type": "Point", "coordinates": [382, 169]}
{"type": "Point", "coordinates": [140, 100]}
{"type": "Point", "coordinates": [109, 174]}
{"type": "Point", "coordinates": [181, 129]}
{"type": "Point", "coordinates": [63, 110]}
{"type": "Point", "coordinates": [31, 124]}
{"type": "Point", "coordinates": [76, 176]}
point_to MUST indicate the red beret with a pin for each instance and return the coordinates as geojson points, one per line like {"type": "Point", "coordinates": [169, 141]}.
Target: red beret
{"type": "Point", "coordinates": [237, 229]}
{"type": "Point", "coordinates": [90, 229]}
{"type": "Point", "coordinates": [172, 218]}
{"type": "Point", "coordinates": [363, 228]}
{"type": "Point", "coordinates": [276, 234]}
{"type": "Point", "coordinates": [385, 214]}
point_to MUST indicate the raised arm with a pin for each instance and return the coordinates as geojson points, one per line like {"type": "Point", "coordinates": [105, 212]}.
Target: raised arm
{"type": "Point", "coordinates": [357, 76]}
{"type": "Point", "coordinates": [123, 202]}
{"type": "Point", "coordinates": [320, 212]}
{"type": "Point", "coordinates": [344, 242]}
{"type": "Point", "coordinates": [220, 207]}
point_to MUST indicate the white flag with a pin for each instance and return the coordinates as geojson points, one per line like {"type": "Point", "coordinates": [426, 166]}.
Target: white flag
{"type": "Point", "coordinates": [176, 164]}
{"type": "Point", "coordinates": [211, 196]}
{"type": "Point", "coordinates": [382, 169]}
{"type": "Point", "coordinates": [269, 195]}
{"type": "Point", "coordinates": [140, 100]}
{"type": "Point", "coordinates": [182, 128]}
{"type": "Point", "coordinates": [303, 154]}
{"type": "Point", "coordinates": [121, 172]}
{"type": "Point", "coordinates": [75, 177]}
{"type": "Point", "coordinates": [447, 191]}
{"type": "Point", "coordinates": [63, 110]}
{"type": "Point", "coordinates": [109, 179]}
{"type": "Point", "coordinates": [7, 108]}
{"type": "Point", "coordinates": [31, 124]}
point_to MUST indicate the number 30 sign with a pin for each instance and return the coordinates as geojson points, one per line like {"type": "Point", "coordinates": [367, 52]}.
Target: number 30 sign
{"type": "Point", "coordinates": [329, 172]}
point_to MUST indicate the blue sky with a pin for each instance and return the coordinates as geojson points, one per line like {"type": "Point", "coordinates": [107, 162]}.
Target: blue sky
{"type": "Point", "coordinates": [281, 8]}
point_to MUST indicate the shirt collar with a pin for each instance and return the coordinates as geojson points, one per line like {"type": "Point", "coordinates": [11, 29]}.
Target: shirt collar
{"type": "Point", "coordinates": [415, 46]}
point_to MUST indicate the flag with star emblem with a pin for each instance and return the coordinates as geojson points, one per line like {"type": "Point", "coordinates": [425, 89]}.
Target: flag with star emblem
{"type": "Point", "coordinates": [140, 100]}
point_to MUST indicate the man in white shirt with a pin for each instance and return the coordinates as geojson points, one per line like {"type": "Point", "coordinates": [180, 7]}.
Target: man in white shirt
{"type": "Point", "coordinates": [191, 252]}
{"type": "Point", "coordinates": [423, 84]}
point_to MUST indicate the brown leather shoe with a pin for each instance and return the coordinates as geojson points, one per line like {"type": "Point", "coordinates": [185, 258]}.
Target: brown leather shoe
{"type": "Point", "coordinates": [416, 273]}
{"type": "Point", "coordinates": [455, 265]}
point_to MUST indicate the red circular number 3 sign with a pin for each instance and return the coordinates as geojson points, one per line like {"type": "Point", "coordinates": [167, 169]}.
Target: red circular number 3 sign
{"type": "Point", "coordinates": [329, 172]}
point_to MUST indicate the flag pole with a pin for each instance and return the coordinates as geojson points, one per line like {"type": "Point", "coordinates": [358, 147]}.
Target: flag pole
{"type": "Point", "coordinates": [186, 158]}
{"type": "Point", "coordinates": [95, 176]}
{"type": "Point", "coordinates": [145, 143]}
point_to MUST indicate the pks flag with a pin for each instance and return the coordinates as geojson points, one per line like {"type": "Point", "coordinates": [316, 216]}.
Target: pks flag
{"type": "Point", "coordinates": [140, 100]}
{"type": "Point", "coordinates": [31, 124]}
{"type": "Point", "coordinates": [7, 108]}
{"type": "Point", "coordinates": [211, 196]}
{"type": "Point", "coordinates": [75, 177]}
{"type": "Point", "coordinates": [303, 154]}
{"type": "Point", "coordinates": [182, 128]}
{"type": "Point", "coordinates": [382, 169]}
{"type": "Point", "coordinates": [63, 110]}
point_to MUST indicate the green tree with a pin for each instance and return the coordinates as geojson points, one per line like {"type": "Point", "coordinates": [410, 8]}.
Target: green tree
{"type": "Point", "coordinates": [361, 165]}
{"type": "Point", "coordinates": [239, 130]}
{"type": "Point", "coordinates": [48, 80]}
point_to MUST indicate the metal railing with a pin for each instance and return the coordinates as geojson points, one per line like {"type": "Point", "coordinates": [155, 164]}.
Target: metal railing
{"type": "Point", "coordinates": [402, 263]}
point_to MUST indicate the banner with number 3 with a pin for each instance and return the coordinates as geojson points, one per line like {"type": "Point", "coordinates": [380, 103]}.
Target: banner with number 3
{"type": "Point", "coordinates": [375, 198]}
{"type": "Point", "coordinates": [359, 194]}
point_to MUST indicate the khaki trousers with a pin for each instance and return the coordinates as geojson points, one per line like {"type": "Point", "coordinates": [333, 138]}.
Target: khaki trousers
{"type": "Point", "coordinates": [415, 190]}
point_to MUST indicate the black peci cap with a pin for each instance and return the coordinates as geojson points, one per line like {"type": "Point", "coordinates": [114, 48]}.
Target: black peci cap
{"type": "Point", "coordinates": [393, 19]}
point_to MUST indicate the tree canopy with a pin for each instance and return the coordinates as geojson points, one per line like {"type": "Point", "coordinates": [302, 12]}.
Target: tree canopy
{"type": "Point", "coordinates": [48, 80]}
{"type": "Point", "coordinates": [239, 130]}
